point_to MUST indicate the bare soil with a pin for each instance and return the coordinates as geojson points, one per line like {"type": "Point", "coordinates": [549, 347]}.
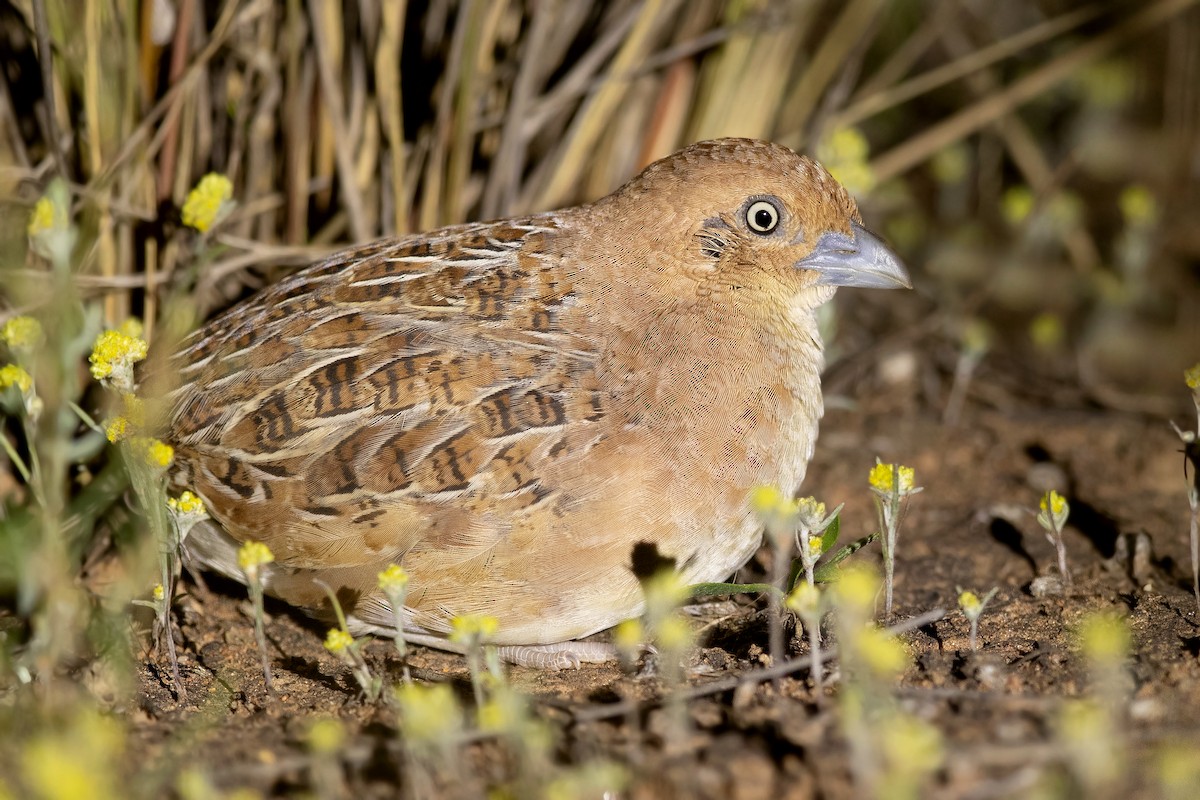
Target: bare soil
{"type": "Point", "coordinates": [1020, 434]}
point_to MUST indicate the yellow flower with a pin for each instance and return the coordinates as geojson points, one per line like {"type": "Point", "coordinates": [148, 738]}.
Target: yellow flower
{"type": "Point", "coordinates": [116, 429]}
{"type": "Point", "coordinates": [769, 501]}
{"type": "Point", "coordinates": [77, 761]}
{"type": "Point", "coordinates": [1191, 376]}
{"type": "Point", "coordinates": [21, 333]}
{"type": "Point", "coordinates": [882, 479]}
{"type": "Point", "coordinates": [132, 327]}
{"type": "Point", "coordinates": [883, 653]}
{"type": "Point", "coordinates": [505, 710]}
{"type": "Point", "coordinates": [844, 144]}
{"type": "Point", "coordinates": [12, 375]}
{"type": "Point", "coordinates": [969, 603]}
{"type": "Point", "coordinates": [1046, 331]}
{"type": "Point", "coordinates": [154, 452]}
{"type": "Point", "coordinates": [628, 636]}
{"type": "Point", "coordinates": [159, 592]}
{"type": "Point", "coordinates": [814, 545]}
{"type": "Point", "coordinates": [1106, 84]}
{"type": "Point", "coordinates": [252, 555]}
{"type": "Point", "coordinates": [429, 714]}
{"type": "Point", "coordinates": [857, 586]}
{"type": "Point", "coordinates": [1138, 205]}
{"type": "Point", "coordinates": [205, 203]}
{"type": "Point", "coordinates": [1017, 204]}
{"type": "Point", "coordinates": [1104, 638]}
{"type": "Point", "coordinates": [186, 503]}
{"type": "Point", "coordinates": [326, 736]}
{"type": "Point", "coordinates": [337, 640]}
{"type": "Point", "coordinates": [805, 599]}
{"type": "Point", "coordinates": [810, 509]}
{"type": "Point", "coordinates": [114, 355]}
{"type": "Point", "coordinates": [844, 153]}
{"type": "Point", "coordinates": [1053, 502]}
{"type": "Point", "coordinates": [42, 218]}
{"type": "Point", "coordinates": [912, 746]}
{"type": "Point", "coordinates": [950, 164]}
{"type": "Point", "coordinates": [467, 629]}
{"type": "Point", "coordinates": [674, 633]}
{"type": "Point", "coordinates": [393, 580]}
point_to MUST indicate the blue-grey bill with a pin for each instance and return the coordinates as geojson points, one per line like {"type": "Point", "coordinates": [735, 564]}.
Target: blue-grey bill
{"type": "Point", "coordinates": [860, 260]}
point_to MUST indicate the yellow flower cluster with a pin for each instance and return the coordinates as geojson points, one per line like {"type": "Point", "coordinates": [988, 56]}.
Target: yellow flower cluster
{"type": "Point", "coordinates": [468, 628]}
{"type": "Point", "coordinates": [1191, 376]}
{"type": "Point", "coordinates": [883, 653]}
{"type": "Point", "coordinates": [1105, 638]}
{"type": "Point", "coordinates": [114, 353]}
{"type": "Point", "coordinates": [969, 603]}
{"type": "Point", "coordinates": [810, 508]}
{"type": "Point", "coordinates": [21, 333]}
{"type": "Point", "coordinates": [1017, 204]}
{"type": "Point", "coordinates": [337, 640]}
{"type": "Point", "coordinates": [205, 203]}
{"type": "Point", "coordinates": [12, 375]}
{"type": "Point", "coordinates": [154, 452]}
{"type": "Point", "coordinates": [116, 429]}
{"type": "Point", "coordinates": [252, 555]}
{"type": "Point", "coordinates": [769, 501]}
{"type": "Point", "coordinates": [429, 714]}
{"type": "Point", "coordinates": [856, 587]}
{"type": "Point", "coordinates": [1138, 205]}
{"type": "Point", "coordinates": [326, 736]}
{"type": "Point", "coordinates": [393, 580]}
{"type": "Point", "coordinates": [844, 153]}
{"type": "Point", "coordinates": [42, 218]}
{"type": "Point", "coordinates": [805, 599]}
{"type": "Point", "coordinates": [883, 479]}
{"type": "Point", "coordinates": [1053, 503]}
{"type": "Point", "coordinates": [186, 503]}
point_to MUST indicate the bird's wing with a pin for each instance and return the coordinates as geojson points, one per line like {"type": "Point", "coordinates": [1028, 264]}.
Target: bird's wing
{"type": "Point", "coordinates": [370, 404]}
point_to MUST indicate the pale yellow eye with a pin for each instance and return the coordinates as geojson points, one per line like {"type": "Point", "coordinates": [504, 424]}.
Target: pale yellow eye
{"type": "Point", "coordinates": [762, 217]}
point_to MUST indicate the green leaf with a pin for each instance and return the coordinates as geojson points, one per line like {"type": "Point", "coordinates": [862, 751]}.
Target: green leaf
{"type": "Point", "coordinates": [830, 536]}
{"type": "Point", "coordinates": [827, 572]}
{"type": "Point", "coordinates": [724, 589]}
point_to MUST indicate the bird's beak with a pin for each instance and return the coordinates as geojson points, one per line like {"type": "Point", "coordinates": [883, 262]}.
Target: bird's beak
{"type": "Point", "coordinates": [859, 259]}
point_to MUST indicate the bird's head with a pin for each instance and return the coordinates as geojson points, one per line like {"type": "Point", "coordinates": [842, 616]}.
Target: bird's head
{"type": "Point", "coordinates": [751, 220]}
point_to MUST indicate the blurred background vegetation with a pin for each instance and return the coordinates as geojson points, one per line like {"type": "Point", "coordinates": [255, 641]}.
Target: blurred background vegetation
{"type": "Point", "coordinates": [1035, 162]}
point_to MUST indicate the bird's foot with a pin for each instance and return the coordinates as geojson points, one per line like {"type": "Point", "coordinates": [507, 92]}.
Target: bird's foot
{"type": "Point", "coordinates": [562, 655]}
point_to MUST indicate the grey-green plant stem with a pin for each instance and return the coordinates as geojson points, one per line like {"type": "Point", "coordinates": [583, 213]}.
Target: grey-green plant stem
{"type": "Point", "coordinates": [1061, 548]}
{"type": "Point", "coordinates": [779, 573]}
{"type": "Point", "coordinates": [1194, 502]}
{"type": "Point", "coordinates": [398, 639]}
{"type": "Point", "coordinates": [260, 635]}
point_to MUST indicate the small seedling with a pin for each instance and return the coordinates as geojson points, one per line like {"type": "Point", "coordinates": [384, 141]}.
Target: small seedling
{"type": "Point", "coordinates": [252, 556]}
{"type": "Point", "coordinates": [786, 520]}
{"type": "Point", "coordinates": [972, 608]}
{"type": "Point", "coordinates": [349, 650]}
{"type": "Point", "coordinates": [1053, 518]}
{"type": "Point", "coordinates": [892, 485]}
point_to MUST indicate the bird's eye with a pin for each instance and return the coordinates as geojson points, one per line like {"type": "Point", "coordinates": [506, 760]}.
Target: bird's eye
{"type": "Point", "coordinates": [762, 216]}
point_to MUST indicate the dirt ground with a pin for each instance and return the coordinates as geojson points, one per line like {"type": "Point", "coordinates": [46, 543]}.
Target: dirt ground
{"type": "Point", "coordinates": [1020, 434]}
